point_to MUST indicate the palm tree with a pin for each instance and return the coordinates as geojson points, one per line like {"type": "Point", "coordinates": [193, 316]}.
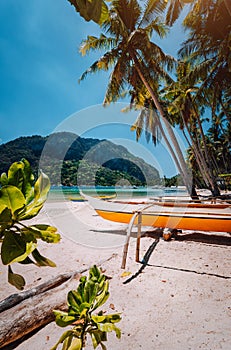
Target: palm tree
{"type": "Point", "coordinates": [209, 52]}
{"type": "Point", "coordinates": [135, 59]}
{"type": "Point", "coordinates": [185, 110]}
{"type": "Point", "coordinates": [208, 49]}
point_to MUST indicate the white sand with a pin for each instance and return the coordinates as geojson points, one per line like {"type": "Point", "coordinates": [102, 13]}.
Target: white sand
{"type": "Point", "coordinates": [181, 300]}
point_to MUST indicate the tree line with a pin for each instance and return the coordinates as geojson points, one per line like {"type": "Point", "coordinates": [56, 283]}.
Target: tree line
{"type": "Point", "coordinates": [191, 90]}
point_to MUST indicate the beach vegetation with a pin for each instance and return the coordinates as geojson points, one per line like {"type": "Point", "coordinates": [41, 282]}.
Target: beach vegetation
{"type": "Point", "coordinates": [196, 100]}
{"type": "Point", "coordinates": [91, 294]}
{"type": "Point", "coordinates": [21, 199]}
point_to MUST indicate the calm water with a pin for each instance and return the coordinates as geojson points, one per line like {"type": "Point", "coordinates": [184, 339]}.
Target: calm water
{"type": "Point", "coordinates": [65, 193]}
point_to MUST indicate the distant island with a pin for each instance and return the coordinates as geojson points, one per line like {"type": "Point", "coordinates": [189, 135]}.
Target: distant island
{"type": "Point", "coordinates": [71, 160]}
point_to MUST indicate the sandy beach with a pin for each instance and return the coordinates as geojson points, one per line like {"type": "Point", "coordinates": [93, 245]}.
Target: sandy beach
{"type": "Point", "coordinates": [180, 300]}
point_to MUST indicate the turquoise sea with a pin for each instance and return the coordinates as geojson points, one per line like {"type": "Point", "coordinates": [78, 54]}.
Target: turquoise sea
{"type": "Point", "coordinates": [60, 193]}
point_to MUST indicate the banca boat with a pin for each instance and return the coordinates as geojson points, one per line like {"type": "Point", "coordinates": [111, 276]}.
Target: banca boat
{"type": "Point", "coordinates": [172, 215]}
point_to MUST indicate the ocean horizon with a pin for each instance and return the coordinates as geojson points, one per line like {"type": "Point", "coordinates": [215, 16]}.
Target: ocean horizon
{"type": "Point", "coordinates": [60, 193]}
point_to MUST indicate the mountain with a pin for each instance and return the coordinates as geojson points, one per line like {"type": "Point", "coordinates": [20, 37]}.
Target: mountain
{"type": "Point", "coordinates": [69, 159]}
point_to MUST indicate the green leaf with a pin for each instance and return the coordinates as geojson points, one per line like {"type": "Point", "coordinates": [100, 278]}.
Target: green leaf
{"type": "Point", "coordinates": [67, 343]}
{"type": "Point", "coordinates": [88, 290]}
{"type": "Point", "coordinates": [76, 344]}
{"type": "Point", "coordinates": [113, 318]}
{"type": "Point", "coordinates": [27, 261]}
{"type": "Point", "coordinates": [47, 233]}
{"type": "Point", "coordinates": [41, 187]}
{"type": "Point", "coordinates": [95, 10]}
{"type": "Point", "coordinates": [62, 338]}
{"type": "Point", "coordinates": [94, 271]}
{"type": "Point", "coordinates": [20, 175]}
{"type": "Point", "coordinates": [13, 198]}
{"type": "Point", "coordinates": [15, 279]}
{"type": "Point", "coordinates": [4, 179]}
{"type": "Point", "coordinates": [15, 175]}
{"type": "Point", "coordinates": [5, 217]}
{"type": "Point", "coordinates": [74, 300]}
{"type": "Point", "coordinates": [109, 327]}
{"type": "Point", "coordinates": [63, 319]}
{"type": "Point", "coordinates": [27, 188]}
{"type": "Point", "coordinates": [102, 298]}
{"type": "Point", "coordinates": [41, 190]}
{"type": "Point", "coordinates": [14, 248]}
{"type": "Point", "coordinates": [42, 260]}
{"type": "Point", "coordinates": [98, 319]}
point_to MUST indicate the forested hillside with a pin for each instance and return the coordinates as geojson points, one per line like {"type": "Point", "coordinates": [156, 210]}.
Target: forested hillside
{"type": "Point", "coordinates": [72, 160]}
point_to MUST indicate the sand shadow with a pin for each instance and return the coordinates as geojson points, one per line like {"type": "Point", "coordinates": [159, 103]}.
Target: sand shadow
{"type": "Point", "coordinates": [208, 238]}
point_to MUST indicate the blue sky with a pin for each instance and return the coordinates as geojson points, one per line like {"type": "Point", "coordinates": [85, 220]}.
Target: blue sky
{"type": "Point", "coordinates": [40, 66]}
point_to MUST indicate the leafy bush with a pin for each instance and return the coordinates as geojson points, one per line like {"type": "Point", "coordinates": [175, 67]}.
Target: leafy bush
{"type": "Point", "coordinates": [91, 293]}
{"type": "Point", "coordinates": [19, 201]}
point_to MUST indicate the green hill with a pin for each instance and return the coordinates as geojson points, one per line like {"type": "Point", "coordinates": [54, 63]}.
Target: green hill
{"type": "Point", "coordinates": [72, 160]}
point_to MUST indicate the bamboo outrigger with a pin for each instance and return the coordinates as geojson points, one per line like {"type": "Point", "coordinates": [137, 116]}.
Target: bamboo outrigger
{"type": "Point", "coordinates": [171, 215]}
{"type": "Point", "coordinates": [185, 216]}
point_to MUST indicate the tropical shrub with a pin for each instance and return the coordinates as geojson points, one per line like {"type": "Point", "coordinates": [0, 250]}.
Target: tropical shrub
{"type": "Point", "coordinates": [20, 201]}
{"type": "Point", "coordinates": [91, 293]}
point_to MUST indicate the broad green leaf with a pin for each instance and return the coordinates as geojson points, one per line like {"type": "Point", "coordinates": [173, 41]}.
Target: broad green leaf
{"type": "Point", "coordinates": [31, 211]}
{"type": "Point", "coordinates": [97, 338]}
{"type": "Point", "coordinates": [62, 338]}
{"type": "Point", "coordinates": [94, 339]}
{"type": "Point", "coordinates": [109, 327]}
{"type": "Point", "coordinates": [42, 260]}
{"type": "Point", "coordinates": [113, 318]}
{"type": "Point", "coordinates": [15, 279]}
{"type": "Point", "coordinates": [80, 289]}
{"type": "Point", "coordinates": [94, 271]}
{"type": "Point", "coordinates": [60, 313]}
{"type": "Point", "coordinates": [76, 344]}
{"type": "Point", "coordinates": [5, 217]}
{"type": "Point", "coordinates": [95, 10]}
{"type": "Point", "coordinates": [15, 175]}
{"type": "Point", "coordinates": [102, 298]}
{"type": "Point", "coordinates": [47, 233]}
{"type": "Point", "coordinates": [67, 343]}
{"type": "Point", "coordinates": [4, 179]}
{"type": "Point", "coordinates": [74, 300]}
{"type": "Point", "coordinates": [41, 190]}
{"type": "Point", "coordinates": [27, 261]}
{"type": "Point", "coordinates": [88, 290]}
{"type": "Point", "coordinates": [14, 248]}
{"type": "Point", "coordinates": [27, 188]}
{"type": "Point", "coordinates": [63, 320]}
{"type": "Point", "coordinates": [97, 318]}
{"type": "Point", "coordinates": [13, 198]}
{"type": "Point", "coordinates": [20, 175]}
{"type": "Point", "coordinates": [41, 187]}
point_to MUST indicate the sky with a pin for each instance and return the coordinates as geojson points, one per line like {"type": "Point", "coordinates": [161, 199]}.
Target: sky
{"type": "Point", "coordinates": [40, 65]}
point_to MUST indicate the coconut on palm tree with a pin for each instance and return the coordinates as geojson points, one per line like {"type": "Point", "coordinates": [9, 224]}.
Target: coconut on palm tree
{"type": "Point", "coordinates": [136, 61]}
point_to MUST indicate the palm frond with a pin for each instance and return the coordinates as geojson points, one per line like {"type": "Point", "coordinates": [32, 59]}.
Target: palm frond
{"type": "Point", "coordinates": [93, 43]}
{"type": "Point", "coordinates": [174, 9]}
{"type": "Point", "coordinates": [105, 62]}
{"type": "Point", "coordinates": [138, 126]}
{"type": "Point", "coordinates": [153, 9]}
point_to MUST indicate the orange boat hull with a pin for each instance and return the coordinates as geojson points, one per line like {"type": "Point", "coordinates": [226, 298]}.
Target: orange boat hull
{"type": "Point", "coordinates": [173, 221]}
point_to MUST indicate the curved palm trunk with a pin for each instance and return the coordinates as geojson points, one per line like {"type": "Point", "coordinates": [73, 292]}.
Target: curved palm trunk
{"type": "Point", "coordinates": [180, 161]}
{"type": "Point", "coordinates": [214, 187]}
{"type": "Point", "coordinates": [198, 156]}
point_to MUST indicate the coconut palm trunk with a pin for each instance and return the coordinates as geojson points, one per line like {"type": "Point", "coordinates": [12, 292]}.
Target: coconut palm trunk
{"type": "Point", "coordinates": [177, 155]}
